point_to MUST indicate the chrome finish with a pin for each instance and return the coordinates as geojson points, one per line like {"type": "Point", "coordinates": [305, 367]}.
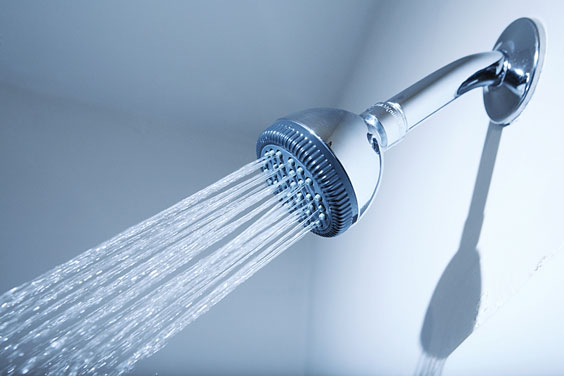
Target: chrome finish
{"type": "Point", "coordinates": [345, 134]}
{"type": "Point", "coordinates": [508, 75]}
{"type": "Point", "coordinates": [524, 44]}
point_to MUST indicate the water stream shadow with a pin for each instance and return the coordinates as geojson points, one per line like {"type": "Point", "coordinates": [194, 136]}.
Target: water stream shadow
{"type": "Point", "coordinates": [453, 308]}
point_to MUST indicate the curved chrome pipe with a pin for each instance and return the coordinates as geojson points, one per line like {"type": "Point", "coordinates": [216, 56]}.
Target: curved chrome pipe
{"type": "Point", "coordinates": [391, 120]}
{"type": "Point", "coordinates": [508, 75]}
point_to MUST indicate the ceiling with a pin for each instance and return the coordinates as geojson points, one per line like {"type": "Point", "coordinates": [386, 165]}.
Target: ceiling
{"type": "Point", "coordinates": [202, 64]}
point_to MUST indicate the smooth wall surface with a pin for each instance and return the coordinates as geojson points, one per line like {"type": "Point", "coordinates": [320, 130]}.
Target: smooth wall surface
{"type": "Point", "coordinates": [214, 65]}
{"type": "Point", "coordinates": [107, 111]}
{"type": "Point", "coordinates": [420, 272]}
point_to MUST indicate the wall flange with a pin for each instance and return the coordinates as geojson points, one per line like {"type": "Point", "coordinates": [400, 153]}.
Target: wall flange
{"type": "Point", "coordinates": [523, 43]}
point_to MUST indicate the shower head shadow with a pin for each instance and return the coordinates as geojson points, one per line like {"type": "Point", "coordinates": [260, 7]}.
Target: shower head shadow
{"type": "Point", "coordinates": [332, 159]}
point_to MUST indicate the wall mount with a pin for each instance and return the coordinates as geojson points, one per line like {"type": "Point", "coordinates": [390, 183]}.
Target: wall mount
{"type": "Point", "coordinates": [523, 44]}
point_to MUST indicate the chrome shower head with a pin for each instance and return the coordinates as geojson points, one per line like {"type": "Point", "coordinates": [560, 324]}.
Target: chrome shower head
{"type": "Point", "coordinates": [332, 159]}
{"type": "Point", "coordinates": [326, 155]}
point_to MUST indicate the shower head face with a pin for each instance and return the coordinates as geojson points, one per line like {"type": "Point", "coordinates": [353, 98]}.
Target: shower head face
{"type": "Point", "coordinates": [299, 189]}
{"type": "Point", "coordinates": [330, 168]}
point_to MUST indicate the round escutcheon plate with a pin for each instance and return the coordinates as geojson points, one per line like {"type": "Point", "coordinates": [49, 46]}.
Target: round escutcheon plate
{"type": "Point", "coordinates": [523, 43]}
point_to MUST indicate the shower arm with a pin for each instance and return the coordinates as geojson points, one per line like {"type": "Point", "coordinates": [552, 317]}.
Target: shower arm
{"type": "Point", "coordinates": [388, 122]}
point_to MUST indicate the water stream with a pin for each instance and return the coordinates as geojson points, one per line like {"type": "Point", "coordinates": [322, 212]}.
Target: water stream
{"type": "Point", "coordinates": [120, 302]}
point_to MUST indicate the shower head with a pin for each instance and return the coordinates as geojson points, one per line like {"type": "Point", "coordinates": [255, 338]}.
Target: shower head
{"type": "Point", "coordinates": [330, 160]}
{"type": "Point", "coordinates": [327, 156]}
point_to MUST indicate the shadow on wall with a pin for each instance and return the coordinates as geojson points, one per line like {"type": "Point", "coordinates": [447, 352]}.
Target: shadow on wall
{"type": "Point", "coordinates": [451, 314]}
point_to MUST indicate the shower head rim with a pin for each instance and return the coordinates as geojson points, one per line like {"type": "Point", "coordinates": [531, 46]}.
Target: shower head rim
{"type": "Point", "coordinates": [523, 44]}
{"type": "Point", "coordinates": [306, 147]}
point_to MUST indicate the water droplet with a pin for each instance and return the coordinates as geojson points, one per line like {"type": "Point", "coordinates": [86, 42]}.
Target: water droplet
{"type": "Point", "coordinates": [28, 365]}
